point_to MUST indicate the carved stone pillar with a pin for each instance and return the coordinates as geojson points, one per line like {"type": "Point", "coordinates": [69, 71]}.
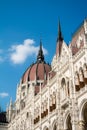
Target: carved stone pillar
{"type": "Point", "coordinates": [81, 125]}
{"type": "Point", "coordinates": [74, 125]}
{"type": "Point", "coordinates": [74, 119]}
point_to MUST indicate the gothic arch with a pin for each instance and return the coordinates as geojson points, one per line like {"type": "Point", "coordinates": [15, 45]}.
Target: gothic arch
{"type": "Point", "coordinates": [85, 72]}
{"type": "Point", "coordinates": [81, 77]}
{"type": "Point", "coordinates": [63, 88]}
{"type": "Point", "coordinates": [82, 105]}
{"type": "Point", "coordinates": [77, 83]}
{"type": "Point", "coordinates": [65, 118]}
{"type": "Point", "coordinates": [68, 89]}
{"type": "Point", "coordinates": [83, 113]}
{"type": "Point", "coordinates": [63, 82]}
{"type": "Point", "coordinates": [67, 121]}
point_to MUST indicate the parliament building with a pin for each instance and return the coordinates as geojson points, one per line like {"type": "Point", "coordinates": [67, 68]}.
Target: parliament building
{"type": "Point", "coordinates": [52, 97]}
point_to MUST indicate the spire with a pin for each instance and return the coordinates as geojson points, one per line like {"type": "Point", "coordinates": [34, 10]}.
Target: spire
{"type": "Point", "coordinates": [40, 56]}
{"type": "Point", "coordinates": [60, 37]}
{"type": "Point", "coordinates": [11, 102]}
{"type": "Point", "coordinates": [59, 40]}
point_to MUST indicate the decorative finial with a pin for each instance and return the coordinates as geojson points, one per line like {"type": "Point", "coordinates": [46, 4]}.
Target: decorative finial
{"type": "Point", "coordinates": [40, 45]}
{"type": "Point", "coordinates": [11, 101]}
{"type": "Point", "coordinates": [60, 37]}
{"type": "Point", "coordinates": [40, 56]}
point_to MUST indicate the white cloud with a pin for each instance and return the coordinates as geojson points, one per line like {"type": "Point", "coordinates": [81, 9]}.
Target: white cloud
{"type": "Point", "coordinates": [4, 94]}
{"type": "Point", "coordinates": [19, 53]}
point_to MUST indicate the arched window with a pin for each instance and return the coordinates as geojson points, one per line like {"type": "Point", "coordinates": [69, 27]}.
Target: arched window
{"type": "Point", "coordinates": [63, 88]}
{"type": "Point", "coordinates": [85, 73]}
{"type": "Point", "coordinates": [77, 83]}
{"type": "Point", "coordinates": [81, 77]}
{"type": "Point", "coordinates": [54, 100]}
{"type": "Point", "coordinates": [63, 82]}
{"type": "Point", "coordinates": [68, 91]}
{"type": "Point", "coordinates": [42, 110]}
{"type": "Point", "coordinates": [50, 103]}
{"type": "Point", "coordinates": [47, 106]}
{"type": "Point", "coordinates": [84, 116]}
{"type": "Point", "coordinates": [68, 123]}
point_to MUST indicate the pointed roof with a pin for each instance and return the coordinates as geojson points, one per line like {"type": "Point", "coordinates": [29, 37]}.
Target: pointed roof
{"type": "Point", "coordinates": [37, 71]}
{"type": "Point", "coordinates": [59, 40]}
{"type": "Point", "coordinates": [40, 56]}
{"type": "Point", "coordinates": [60, 37]}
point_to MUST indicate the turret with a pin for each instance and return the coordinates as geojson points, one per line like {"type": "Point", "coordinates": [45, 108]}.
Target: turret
{"type": "Point", "coordinates": [59, 40]}
{"type": "Point", "coordinates": [10, 110]}
{"type": "Point", "coordinates": [40, 56]}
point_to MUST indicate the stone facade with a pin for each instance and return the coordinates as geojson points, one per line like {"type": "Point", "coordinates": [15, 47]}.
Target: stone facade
{"type": "Point", "coordinates": [61, 101]}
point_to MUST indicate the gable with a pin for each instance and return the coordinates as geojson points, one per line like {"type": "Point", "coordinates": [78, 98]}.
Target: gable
{"type": "Point", "coordinates": [64, 56]}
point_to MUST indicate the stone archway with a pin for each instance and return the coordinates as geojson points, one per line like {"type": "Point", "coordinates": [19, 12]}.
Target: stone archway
{"type": "Point", "coordinates": [83, 116]}
{"type": "Point", "coordinates": [84, 113]}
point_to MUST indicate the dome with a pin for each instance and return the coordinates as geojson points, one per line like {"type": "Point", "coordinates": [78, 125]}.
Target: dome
{"type": "Point", "coordinates": [38, 70]}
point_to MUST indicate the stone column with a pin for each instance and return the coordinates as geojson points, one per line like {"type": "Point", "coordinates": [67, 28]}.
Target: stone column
{"type": "Point", "coordinates": [74, 116]}
{"type": "Point", "coordinates": [73, 102]}
{"type": "Point", "coordinates": [32, 106]}
{"type": "Point", "coordinates": [74, 125]}
{"type": "Point", "coordinates": [81, 125]}
{"type": "Point", "coordinates": [58, 106]}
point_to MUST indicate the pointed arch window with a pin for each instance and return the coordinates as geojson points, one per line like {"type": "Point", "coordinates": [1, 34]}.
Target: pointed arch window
{"type": "Point", "coordinates": [77, 83]}
{"type": "Point", "coordinates": [68, 91]}
{"type": "Point", "coordinates": [85, 73]}
{"type": "Point", "coordinates": [81, 77]}
{"type": "Point", "coordinates": [68, 123]}
{"type": "Point", "coordinates": [63, 88]}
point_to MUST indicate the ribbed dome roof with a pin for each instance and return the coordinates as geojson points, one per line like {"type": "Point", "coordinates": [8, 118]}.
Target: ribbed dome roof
{"type": "Point", "coordinates": [38, 70]}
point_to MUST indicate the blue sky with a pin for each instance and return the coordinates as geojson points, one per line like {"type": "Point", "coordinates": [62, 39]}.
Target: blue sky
{"type": "Point", "coordinates": [22, 24]}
